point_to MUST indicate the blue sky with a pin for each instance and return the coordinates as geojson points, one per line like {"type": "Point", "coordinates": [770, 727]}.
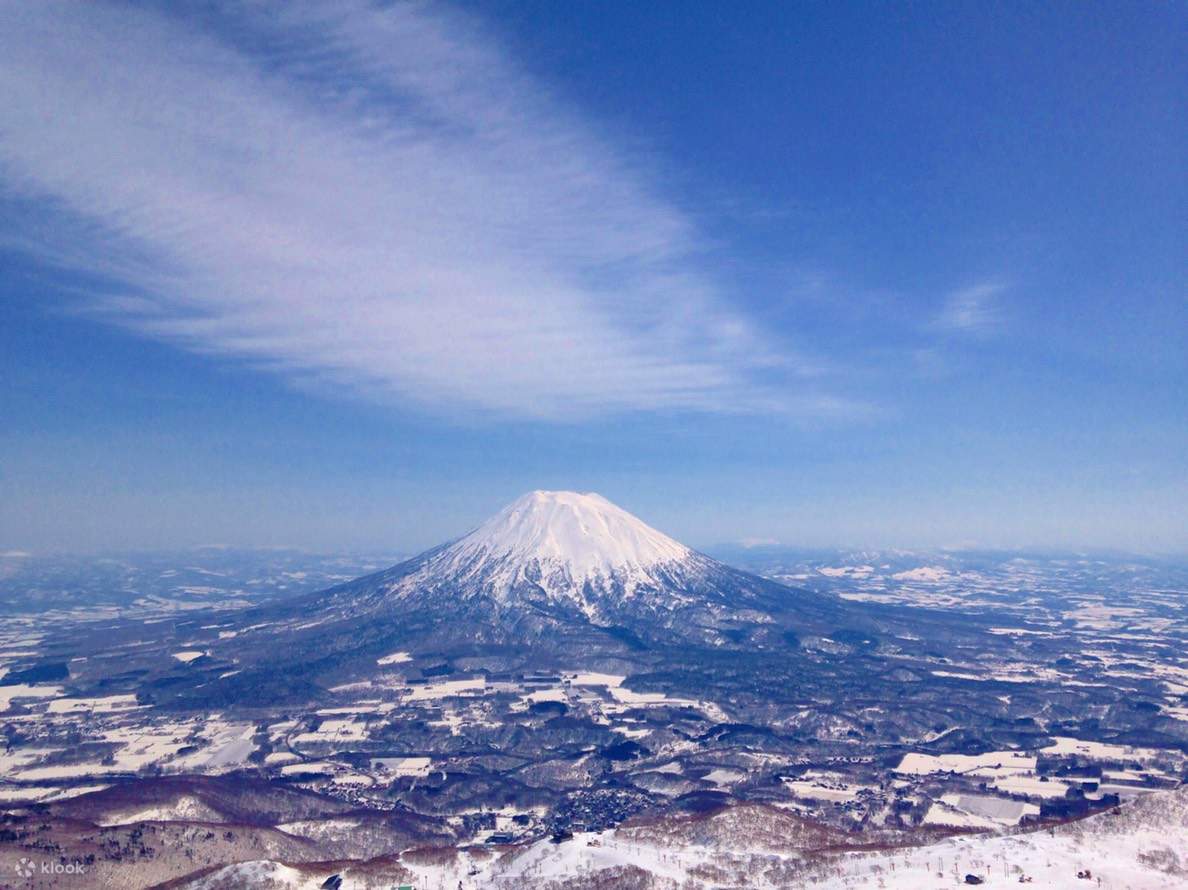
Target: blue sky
{"type": "Point", "coordinates": [355, 276]}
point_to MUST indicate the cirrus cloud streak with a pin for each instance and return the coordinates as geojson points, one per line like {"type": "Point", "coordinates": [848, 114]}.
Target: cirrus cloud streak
{"type": "Point", "coordinates": [375, 198]}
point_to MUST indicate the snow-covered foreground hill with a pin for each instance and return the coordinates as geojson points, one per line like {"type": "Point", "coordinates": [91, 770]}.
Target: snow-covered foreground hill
{"type": "Point", "coordinates": [1144, 846]}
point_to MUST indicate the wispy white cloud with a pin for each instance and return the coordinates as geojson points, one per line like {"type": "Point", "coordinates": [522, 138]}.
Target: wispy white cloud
{"type": "Point", "coordinates": [972, 310]}
{"type": "Point", "coordinates": [377, 199]}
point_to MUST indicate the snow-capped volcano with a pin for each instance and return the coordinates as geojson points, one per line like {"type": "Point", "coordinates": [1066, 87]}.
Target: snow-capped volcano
{"type": "Point", "coordinates": [556, 547]}
{"type": "Point", "coordinates": [565, 552]}
{"type": "Point", "coordinates": [582, 536]}
{"type": "Point", "coordinates": [552, 577]}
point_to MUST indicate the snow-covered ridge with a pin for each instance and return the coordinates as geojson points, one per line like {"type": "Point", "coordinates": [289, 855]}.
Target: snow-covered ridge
{"type": "Point", "coordinates": [586, 533]}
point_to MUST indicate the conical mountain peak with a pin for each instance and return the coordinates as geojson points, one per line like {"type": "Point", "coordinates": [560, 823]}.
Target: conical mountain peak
{"type": "Point", "coordinates": [550, 556]}
{"type": "Point", "coordinates": [557, 553]}
{"type": "Point", "coordinates": [585, 533]}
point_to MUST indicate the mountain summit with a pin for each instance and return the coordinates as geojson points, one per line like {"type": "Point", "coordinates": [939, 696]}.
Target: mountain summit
{"type": "Point", "coordinates": [577, 537]}
{"type": "Point", "coordinates": [556, 549]}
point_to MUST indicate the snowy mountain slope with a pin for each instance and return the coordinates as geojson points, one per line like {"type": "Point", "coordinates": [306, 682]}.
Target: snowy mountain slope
{"type": "Point", "coordinates": [1139, 848]}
